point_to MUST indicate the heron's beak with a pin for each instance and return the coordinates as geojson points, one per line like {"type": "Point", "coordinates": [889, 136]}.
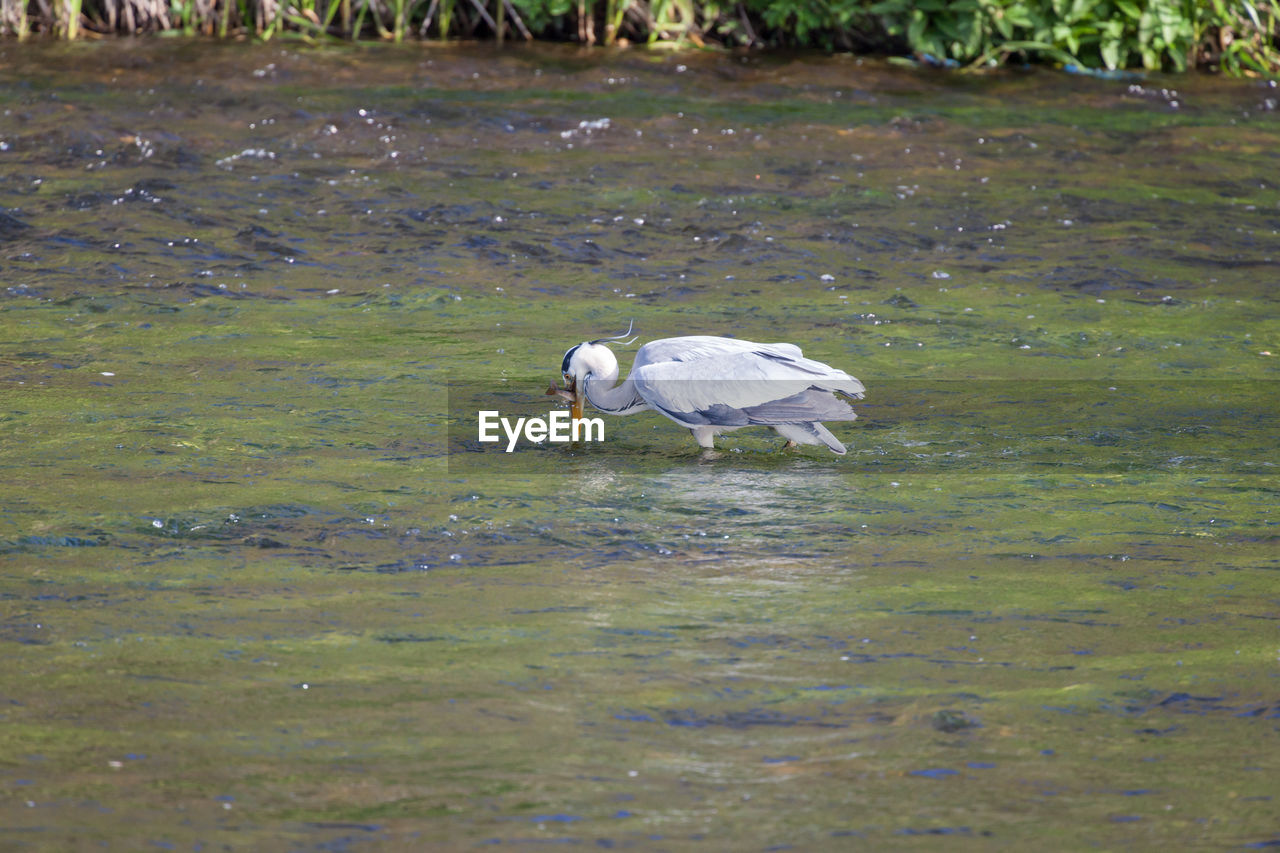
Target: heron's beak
{"type": "Point", "coordinates": [577, 398]}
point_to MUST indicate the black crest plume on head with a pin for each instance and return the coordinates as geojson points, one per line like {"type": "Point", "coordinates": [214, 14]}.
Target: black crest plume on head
{"type": "Point", "coordinates": [564, 365]}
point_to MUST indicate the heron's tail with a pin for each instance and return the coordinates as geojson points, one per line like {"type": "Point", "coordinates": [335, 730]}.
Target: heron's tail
{"type": "Point", "coordinates": [811, 433]}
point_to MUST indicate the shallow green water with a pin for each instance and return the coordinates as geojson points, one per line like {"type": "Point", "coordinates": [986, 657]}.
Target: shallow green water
{"type": "Point", "coordinates": [261, 588]}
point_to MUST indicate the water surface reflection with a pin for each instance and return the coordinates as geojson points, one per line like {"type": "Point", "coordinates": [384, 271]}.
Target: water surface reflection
{"type": "Point", "coordinates": [262, 585]}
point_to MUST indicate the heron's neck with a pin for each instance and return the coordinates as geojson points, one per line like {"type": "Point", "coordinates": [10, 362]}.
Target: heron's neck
{"type": "Point", "coordinates": [616, 400]}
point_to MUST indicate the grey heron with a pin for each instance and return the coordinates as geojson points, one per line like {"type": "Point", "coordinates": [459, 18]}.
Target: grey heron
{"type": "Point", "coordinates": [712, 385]}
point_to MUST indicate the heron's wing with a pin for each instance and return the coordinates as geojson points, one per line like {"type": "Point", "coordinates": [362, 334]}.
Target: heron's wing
{"type": "Point", "coordinates": [696, 347]}
{"type": "Point", "coordinates": [727, 382]}
{"type": "Point", "coordinates": [808, 406]}
{"type": "Point", "coordinates": [707, 358]}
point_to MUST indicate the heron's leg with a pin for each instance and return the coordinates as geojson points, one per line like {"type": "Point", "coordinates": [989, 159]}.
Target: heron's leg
{"type": "Point", "coordinates": [705, 437]}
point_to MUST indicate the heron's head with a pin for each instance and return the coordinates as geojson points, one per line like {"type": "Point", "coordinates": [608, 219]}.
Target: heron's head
{"type": "Point", "coordinates": [587, 360]}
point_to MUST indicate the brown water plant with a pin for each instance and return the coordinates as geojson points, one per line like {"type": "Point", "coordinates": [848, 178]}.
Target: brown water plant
{"type": "Point", "coordinates": [14, 19]}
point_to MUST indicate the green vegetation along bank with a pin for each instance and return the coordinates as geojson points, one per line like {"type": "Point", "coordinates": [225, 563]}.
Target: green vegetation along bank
{"type": "Point", "coordinates": [1241, 38]}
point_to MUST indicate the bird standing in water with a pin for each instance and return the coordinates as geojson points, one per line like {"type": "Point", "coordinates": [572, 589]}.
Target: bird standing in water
{"type": "Point", "coordinates": [712, 385]}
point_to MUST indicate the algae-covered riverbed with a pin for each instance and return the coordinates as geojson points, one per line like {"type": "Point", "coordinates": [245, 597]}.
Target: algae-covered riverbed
{"type": "Point", "coordinates": [261, 588]}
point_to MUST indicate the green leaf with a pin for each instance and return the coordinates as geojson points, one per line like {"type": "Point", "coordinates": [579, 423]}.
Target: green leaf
{"type": "Point", "coordinates": [1253, 14]}
{"type": "Point", "coordinates": [1146, 28]}
{"type": "Point", "coordinates": [1110, 51]}
{"type": "Point", "coordinates": [1005, 26]}
{"type": "Point", "coordinates": [1129, 9]}
{"type": "Point", "coordinates": [890, 7]}
{"type": "Point", "coordinates": [1018, 16]}
{"type": "Point", "coordinates": [1081, 9]}
{"type": "Point", "coordinates": [915, 31]}
{"type": "Point", "coordinates": [1064, 34]}
{"type": "Point", "coordinates": [1170, 22]}
{"type": "Point", "coordinates": [973, 41]}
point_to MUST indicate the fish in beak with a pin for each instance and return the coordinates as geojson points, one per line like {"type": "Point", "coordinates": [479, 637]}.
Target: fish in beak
{"type": "Point", "coordinates": [572, 393]}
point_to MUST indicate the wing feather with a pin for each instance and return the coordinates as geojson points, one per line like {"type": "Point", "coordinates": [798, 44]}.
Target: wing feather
{"type": "Point", "coordinates": [724, 381]}
{"type": "Point", "coordinates": [808, 406]}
